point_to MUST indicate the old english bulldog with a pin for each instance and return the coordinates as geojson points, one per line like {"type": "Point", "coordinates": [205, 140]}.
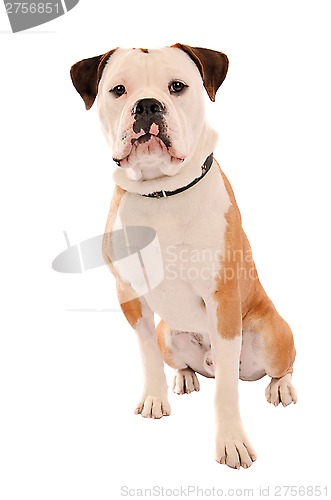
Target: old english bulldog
{"type": "Point", "coordinates": [216, 318]}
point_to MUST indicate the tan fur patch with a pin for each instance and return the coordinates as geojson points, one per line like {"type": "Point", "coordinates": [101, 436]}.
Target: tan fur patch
{"type": "Point", "coordinates": [132, 309]}
{"type": "Point", "coordinates": [276, 337]}
{"type": "Point", "coordinates": [227, 292]}
{"type": "Point", "coordinates": [162, 331]}
{"type": "Point", "coordinates": [239, 289]}
{"type": "Point", "coordinates": [130, 304]}
{"type": "Point", "coordinates": [106, 250]}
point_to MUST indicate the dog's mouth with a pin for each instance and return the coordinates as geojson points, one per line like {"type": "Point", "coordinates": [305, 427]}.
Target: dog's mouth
{"type": "Point", "coordinates": [147, 137]}
{"type": "Point", "coordinates": [149, 147]}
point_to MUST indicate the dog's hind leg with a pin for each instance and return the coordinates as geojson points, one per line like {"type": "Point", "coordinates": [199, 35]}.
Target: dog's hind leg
{"type": "Point", "coordinates": [275, 349]}
{"type": "Point", "coordinates": [187, 353]}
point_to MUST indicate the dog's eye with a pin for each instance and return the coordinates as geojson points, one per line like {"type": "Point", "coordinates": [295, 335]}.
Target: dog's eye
{"type": "Point", "coordinates": [176, 87]}
{"type": "Point", "coordinates": [118, 90]}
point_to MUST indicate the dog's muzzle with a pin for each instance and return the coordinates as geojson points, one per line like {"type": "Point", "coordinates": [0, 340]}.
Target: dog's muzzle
{"type": "Point", "coordinates": [149, 117]}
{"type": "Point", "coordinates": [148, 135]}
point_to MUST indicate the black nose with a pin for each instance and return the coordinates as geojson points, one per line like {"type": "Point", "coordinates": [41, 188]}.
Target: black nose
{"type": "Point", "coordinates": [148, 107]}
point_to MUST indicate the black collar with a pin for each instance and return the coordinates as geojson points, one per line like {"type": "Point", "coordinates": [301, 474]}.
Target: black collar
{"type": "Point", "coordinates": [204, 169]}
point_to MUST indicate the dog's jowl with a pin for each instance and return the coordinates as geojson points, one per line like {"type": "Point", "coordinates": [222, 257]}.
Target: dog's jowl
{"type": "Point", "coordinates": [217, 320]}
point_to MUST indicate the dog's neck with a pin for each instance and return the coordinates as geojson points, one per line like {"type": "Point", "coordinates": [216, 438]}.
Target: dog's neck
{"type": "Point", "coordinates": [204, 169]}
{"type": "Point", "coordinates": [189, 171]}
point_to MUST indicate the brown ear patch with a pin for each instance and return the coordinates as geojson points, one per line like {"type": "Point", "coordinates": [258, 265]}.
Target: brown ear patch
{"type": "Point", "coordinates": [86, 75]}
{"type": "Point", "coordinates": [213, 66]}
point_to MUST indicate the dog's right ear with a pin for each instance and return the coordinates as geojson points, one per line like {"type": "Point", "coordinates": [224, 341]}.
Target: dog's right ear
{"type": "Point", "coordinates": [86, 75]}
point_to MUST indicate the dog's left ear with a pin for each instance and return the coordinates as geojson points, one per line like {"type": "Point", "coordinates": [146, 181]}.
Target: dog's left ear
{"type": "Point", "coordinates": [86, 75]}
{"type": "Point", "coordinates": [213, 66]}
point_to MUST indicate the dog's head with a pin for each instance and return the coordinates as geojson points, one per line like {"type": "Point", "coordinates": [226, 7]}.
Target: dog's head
{"type": "Point", "coordinates": [151, 103]}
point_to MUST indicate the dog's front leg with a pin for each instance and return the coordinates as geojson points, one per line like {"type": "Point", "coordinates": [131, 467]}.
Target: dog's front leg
{"type": "Point", "coordinates": [224, 319]}
{"type": "Point", "coordinates": [154, 400]}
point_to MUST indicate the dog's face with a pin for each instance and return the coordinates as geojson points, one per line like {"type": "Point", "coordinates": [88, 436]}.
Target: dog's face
{"type": "Point", "coordinates": [148, 103]}
{"type": "Point", "coordinates": [151, 103]}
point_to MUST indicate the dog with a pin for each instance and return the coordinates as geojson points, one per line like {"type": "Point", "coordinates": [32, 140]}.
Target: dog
{"type": "Point", "coordinates": [216, 318]}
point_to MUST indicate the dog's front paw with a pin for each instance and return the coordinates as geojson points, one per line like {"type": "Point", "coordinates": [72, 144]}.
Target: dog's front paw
{"type": "Point", "coordinates": [153, 407]}
{"type": "Point", "coordinates": [234, 449]}
{"type": "Point", "coordinates": [185, 381]}
{"type": "Point", "coordinates": [281, 390]}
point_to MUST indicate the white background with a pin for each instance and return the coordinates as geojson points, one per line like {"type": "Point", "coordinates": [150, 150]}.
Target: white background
{"type": "Point", "coordinates": [70, 380]}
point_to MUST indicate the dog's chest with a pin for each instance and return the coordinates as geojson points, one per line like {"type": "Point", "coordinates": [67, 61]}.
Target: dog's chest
{"type": "Point", "coordinates": [190, 229]}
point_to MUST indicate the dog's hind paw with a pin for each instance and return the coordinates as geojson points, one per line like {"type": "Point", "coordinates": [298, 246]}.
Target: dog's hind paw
{"type": "Point", "coordinates": [281, 390]}
{"type": "Point", "coordinates": [185, 381]}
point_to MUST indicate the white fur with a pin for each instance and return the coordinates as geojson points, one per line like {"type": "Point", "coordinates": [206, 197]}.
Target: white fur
{"type": "Point", "coordinates": [154, 400]}
{"type": "Point", "coordinates": [232, 445]}
{"type": "Point", "coordinates": [191, 252]}
{"type": "Point", "coordinates": [252, 366]}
